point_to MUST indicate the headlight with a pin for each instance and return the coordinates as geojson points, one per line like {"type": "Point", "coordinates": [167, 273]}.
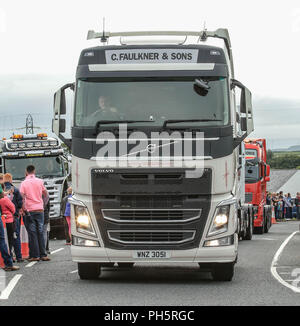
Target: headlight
{"type": "Point", "coordinates": [220, 222]}
{"type": "Point", "coordinates": [14, 146]}
{"type": "Point", "coordinates": [83, 221]}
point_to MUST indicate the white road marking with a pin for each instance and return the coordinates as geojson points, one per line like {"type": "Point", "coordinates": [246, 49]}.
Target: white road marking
{"type": "Point", "coordinates": [31, 264]}
{"type": "Point", "coordinates": [57, 250]}
{"type": "Point", "coordinates": [275, 261]}
{"type": "Point", "coordinates": [285, 273]}
{"type": "Point", "coordinates": [74, 271]}
{"type": "Point", "coordinates": [7, 291]}
{"type": "Point", "coordinates": [267, 239]}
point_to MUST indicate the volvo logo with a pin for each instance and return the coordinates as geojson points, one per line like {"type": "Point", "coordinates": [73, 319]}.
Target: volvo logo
{"type": "Point", "coordinates": [151, 148]}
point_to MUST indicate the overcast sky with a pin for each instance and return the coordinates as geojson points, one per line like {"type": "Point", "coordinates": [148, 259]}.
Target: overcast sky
{"type": "Point", "coordinates": [41, 42]}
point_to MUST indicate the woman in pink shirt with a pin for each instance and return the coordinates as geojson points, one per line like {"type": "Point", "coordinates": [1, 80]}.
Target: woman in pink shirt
{"type": "Point", "coordinates": [8, 210]}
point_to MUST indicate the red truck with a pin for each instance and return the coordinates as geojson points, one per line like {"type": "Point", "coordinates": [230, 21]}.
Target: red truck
{"type": "Point", "coordinates": [256, 178]}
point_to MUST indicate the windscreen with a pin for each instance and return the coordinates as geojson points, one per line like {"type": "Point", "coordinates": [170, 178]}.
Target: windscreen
{"type": "Point", "coordinates": [152, 99]}
{"type": "Point", "coordinates": [252, 173]}
{"type": "Point", "coordinates": [46, 167]}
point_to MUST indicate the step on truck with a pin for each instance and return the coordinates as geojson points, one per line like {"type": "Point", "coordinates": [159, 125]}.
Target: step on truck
{"type": "Point", "coordinates": [47, 155]}
{"type": "Point", "coordinates": [257, 176]}
{"type": "Point", "coordinates": [157, 129]}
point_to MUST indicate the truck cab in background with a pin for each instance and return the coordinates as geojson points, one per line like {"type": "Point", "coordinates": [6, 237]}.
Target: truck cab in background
{"type": "Point", "coordinates": [256, 177]}
{"type": "Point", "coordinates": [47, 155]}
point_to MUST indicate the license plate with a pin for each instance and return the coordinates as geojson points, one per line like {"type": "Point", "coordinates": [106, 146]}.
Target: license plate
{"type": "Point", "coordinates": [152, 254]}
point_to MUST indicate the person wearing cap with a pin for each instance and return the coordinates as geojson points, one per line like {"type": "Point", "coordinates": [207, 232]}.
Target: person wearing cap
{"type": "Point", "coordinates": [8, 262]}
{"type": "Point", "coordinates": [32, 190]}
{"type": "Point", "coordinates": [16, 198]}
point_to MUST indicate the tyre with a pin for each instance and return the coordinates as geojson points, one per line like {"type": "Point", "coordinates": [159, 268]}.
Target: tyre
{"type": "Point", "coordinates": [260, 230]}
{"type": "Point", "coordinates": [125, 265]}
{"type": "Point", "coordinates": [266, 221]}
{"type": "Point", "coordinates": [223, 272]}
{"type": "Point", "coordinates": [249, 230]}
{"type": "Point", "coordinates": [89, 271]}
{"type": "Point", "coordinates": [239, 227]}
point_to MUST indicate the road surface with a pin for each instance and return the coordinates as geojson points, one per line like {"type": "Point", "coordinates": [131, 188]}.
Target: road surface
{"type": "Point", "coordinates": [264, 272]}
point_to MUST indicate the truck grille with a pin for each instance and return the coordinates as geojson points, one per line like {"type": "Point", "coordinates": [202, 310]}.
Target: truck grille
{"type": "Point", "coordinates": [151, 215]}
{"type": "Point", "coordinates": [151, 208]}
{"type": "Point", "coordinates": [150, 237]}
{"type": "Point", "coordinates": [248, 197]}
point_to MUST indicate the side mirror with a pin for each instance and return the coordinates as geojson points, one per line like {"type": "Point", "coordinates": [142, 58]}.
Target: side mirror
{"type": "Point", "coordinates": [246, 116]}
{"type": "Point", "coordinates": [268, 170]}
{"type": "Point", "coordinates": [59, 108]}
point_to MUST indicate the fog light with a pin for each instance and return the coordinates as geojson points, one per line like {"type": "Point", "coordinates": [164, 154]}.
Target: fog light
{"type": "Point", "coordinates": [76, 241]}
{"type": "Point", "coordinates": [228, 241]}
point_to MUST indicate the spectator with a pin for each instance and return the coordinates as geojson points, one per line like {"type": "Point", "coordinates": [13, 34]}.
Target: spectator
{"type": "Point", "coordinates": [8, 262]}
{"type": "Point", "coordinates": [280, 207]}
{"type": "Point", "coordinates": [46, 221]}
{"type": "Point", "coordinates": [297, 203]}
{"type": "Point", "coordinates": [275, 204]}
{"type": "Point", "coordinates": [290, 208]}
{"type": "Point", "coordinates": [67, 215]}
{"type": "Point", "coordinates": [2, 181]}
{"type": "Point", "coordinates": [32, 190]}
{"type": "Point", "coordinates": [287, 205]}
{"type": "Point", "coordinates": [268, 198]}
{"type": "Point", "coordinates": [8, 210]}
{"type": "Point", "coordinates": [17, 200]}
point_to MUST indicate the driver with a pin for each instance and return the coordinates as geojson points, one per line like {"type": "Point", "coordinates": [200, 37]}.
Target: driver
{"type": "Point", "coordinates": [105, 111]}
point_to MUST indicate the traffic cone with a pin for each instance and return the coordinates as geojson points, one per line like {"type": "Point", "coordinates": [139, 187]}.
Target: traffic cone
{"type": "Point", "coordinates": [273, 216]}
{"type": "Point", "coordinates": [2, 265]}
{"type": "Point", "coordinates": [24, 240]}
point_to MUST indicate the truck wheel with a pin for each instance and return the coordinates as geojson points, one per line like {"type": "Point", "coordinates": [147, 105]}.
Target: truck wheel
{"type": "Point", "coordinates": [249, 230]}
{"type": "Point", "coordinates": [223, 272]}
{"type": "Point", "coordinates": [125, 265]}
{"type": "Point", "coordinates": [267, 222]}
{"type": "Point", "coordinates": [260, 230]}
{"type": "Point", "coordinates": [89, 271]}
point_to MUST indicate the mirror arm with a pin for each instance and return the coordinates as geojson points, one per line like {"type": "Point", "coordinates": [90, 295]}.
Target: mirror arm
{"type": "Point", "coordinates": [66, 141]}
{"type": "Point", "coordinates": [237, 141]}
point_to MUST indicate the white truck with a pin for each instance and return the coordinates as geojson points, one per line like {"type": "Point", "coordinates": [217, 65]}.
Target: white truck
{"type": "Point", "coordinates": [139, 197]}
{"type": "Point", "coordinates": [47, 155]}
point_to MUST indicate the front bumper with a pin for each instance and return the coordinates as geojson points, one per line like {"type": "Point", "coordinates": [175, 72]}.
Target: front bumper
{"type": "Point", "coordinates": [199, 255]}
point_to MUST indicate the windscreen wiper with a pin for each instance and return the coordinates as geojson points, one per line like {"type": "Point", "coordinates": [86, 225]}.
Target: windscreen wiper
{"type": "Point", "coordinates": [107, 122]}
{"type": "Point", "coordinates": [191, 120]}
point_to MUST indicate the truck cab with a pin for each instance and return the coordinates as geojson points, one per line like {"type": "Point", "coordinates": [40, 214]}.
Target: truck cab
{"type": "Point", "coordinates": [47, 155]}
{"type": "Point", "coordinates": [156, 137]}
{"type": "Point", "coordinates": [257, 176]}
